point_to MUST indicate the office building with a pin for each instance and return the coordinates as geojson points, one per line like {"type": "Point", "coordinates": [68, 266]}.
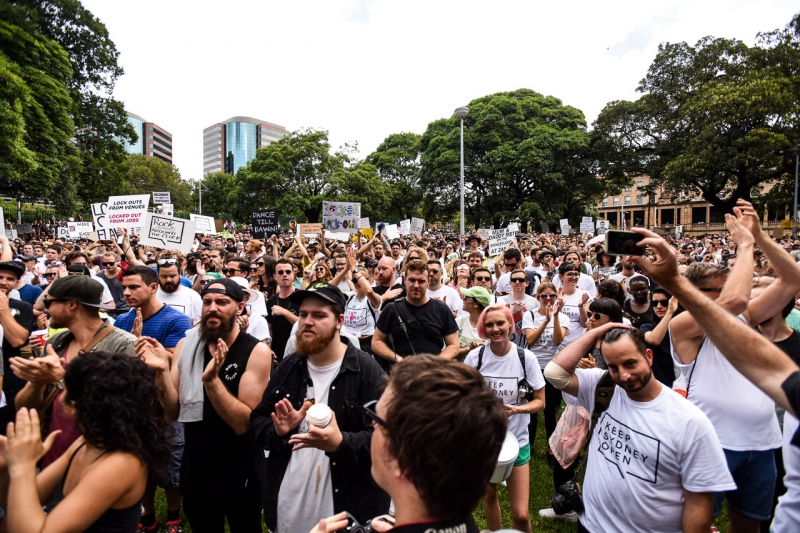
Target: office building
{"type": "Point", "coordinates": [154, 141]}
{"type": "Point", "coordinates": [232, 143]}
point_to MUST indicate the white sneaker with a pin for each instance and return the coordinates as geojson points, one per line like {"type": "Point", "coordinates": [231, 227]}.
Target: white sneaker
{"type": "Point", "coordinates": [571, 516]}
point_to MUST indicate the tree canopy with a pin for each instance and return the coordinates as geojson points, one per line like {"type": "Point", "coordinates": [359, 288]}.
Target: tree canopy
{"type": "Point", "coordinates": [145, 175]}
{"type": "Point", "coordinates": [397, 161]}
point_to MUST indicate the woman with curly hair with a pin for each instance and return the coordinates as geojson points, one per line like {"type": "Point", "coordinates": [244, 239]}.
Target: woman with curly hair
{"type": "Point", "coordinates": [98, 483]}
{"type": "Point", "coordinates": [264, 280]}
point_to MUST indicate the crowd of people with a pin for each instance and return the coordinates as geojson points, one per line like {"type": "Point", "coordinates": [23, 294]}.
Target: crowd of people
{"type": "Point", "coordinates": [297, 379]}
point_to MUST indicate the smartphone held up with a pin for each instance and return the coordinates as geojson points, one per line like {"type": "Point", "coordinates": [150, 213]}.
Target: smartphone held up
{"type": "Point", "coordinates": [623, 243]}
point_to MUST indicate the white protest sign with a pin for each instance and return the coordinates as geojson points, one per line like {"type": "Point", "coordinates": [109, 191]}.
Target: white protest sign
{"type": "Point", "coordinates": [391, 231]}
{"type": "Point", "coordinates": [587, 227]}
{"type": "Point", "coordinates": [161, 198]}
{"type": "Point", "coordinates": [513, 227]}
{"type": "Point", "coordinates": [499, 240]}
{"type": "Point", "coordinates": [565, 231]}
{"type": "Point", "coordinates": [417, 226]}
{"type": "Point", "coordinates": [338, 235]}
{"type": "Point", "coordinates": [203, 224]}
{"type": "Point", "coordinates": [99, 214]}
{"type": "Point", "coordinates": [62, 233]}
{"type": "Point", "coordinates": [679, 232]}
{"type": "Point", "coordinates": [586, 220]}
{"type": "Point", "coordinates": [2, 219]}
{"type": "Point", "coordinates": [344, 216]}
{"type": "Point", "coordinates": [11, 234]}
{"type": "Point", "coordinates": [486, 234]}
{"type": "Point", "coordinates": [80, 230]}
{"type": "Point", "coordinates": [363, 222]}
{"type": "Point", "coordinates": [564, 222]}
{"type": "Point", "coordinates": [405, 227]}
{"type": "Point", "coordinates": [168, 233]}
{"type": "Point", "coordinates": [601, 226]}
{"type": "Point", "coordinates": [127, 211]}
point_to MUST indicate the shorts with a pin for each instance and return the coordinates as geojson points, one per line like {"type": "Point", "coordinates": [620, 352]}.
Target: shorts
{"type": "Point", "coordinates": [754, 473]}
{"type": "Point", "coordinates": [524, 456]}
{"type": "Point", "coordinates": [172, 481]}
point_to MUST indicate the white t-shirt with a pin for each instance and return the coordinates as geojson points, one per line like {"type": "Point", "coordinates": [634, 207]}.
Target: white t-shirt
{"type": "Point", "coordinates": [449, 296]}
{"type": "Point", "coordinates": [504, 283]}
{"type": "Point", "coordinates": [258, 327]}
{"type": "Point", "coordinates": [503, 375]}
{"type": "Point", "coordinates": [572, 308]}
{"type": "Point", "coordinates": [531, 304]}
{"type": "Point", "coordinates": [258, 307]}
{"type": "Point", "coordinates": [306, 494]}
{"type": "Point", "coordinates": [466, 333]}
{"type": "Point", "coordinates": [360, 315]}
{"type": "Point", "coordinates": [642, 456]}
{"type": "Point", "coordinates": [184, 300]}
{"type": "Point", "coordinates": [787, 514]}
{"type": "Point", "coordinates": [743, 416]}
{"type": "Point", "coordinates": [585, 283]}
{"type": "Point", "coordinates": [619, 277]}
{"type": "Point", "coordinates": [544, 347]}
{"type": "Point", "coordinates": [107, 297]}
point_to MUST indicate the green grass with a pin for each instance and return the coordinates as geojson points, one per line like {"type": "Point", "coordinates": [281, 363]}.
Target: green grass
{"type": "Point", "coordinates": [541, 489]}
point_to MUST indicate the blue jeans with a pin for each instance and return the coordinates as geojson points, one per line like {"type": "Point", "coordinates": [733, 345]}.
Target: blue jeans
{"type": "Point", "coordinates": [755, 474]}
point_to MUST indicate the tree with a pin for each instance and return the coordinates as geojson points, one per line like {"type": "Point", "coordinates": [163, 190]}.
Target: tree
{"type": "Point", "coordinates": [523, 152]}
{"type": "Point", "coordinates": [717, 119]}
{"type": "Point", "coordinates": [147, 175]}
{"type": "Point", "coordinates": [362, 183]}
{"type": "Point", "coordinates": [217, 189]}
{"type": "Point", "coordinates": [397, 161]}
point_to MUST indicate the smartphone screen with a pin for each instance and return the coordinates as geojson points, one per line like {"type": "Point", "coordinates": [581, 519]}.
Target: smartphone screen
{"type": "Point", "coordinates": [623, 243]}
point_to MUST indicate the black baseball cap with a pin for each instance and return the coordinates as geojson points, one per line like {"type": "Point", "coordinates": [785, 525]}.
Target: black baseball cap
{"type": "Point", "coordinates": [13, 266]}
{"type": "Point", "coordinates": [81, 289]}
{"type": "Point", "coordinates": [229, 288]}
{"type": "Point", "coordinates": [326, 291]}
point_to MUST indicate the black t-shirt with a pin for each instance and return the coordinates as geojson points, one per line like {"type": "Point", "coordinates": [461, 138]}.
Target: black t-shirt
{"type": "Point", "coordinates": [280, 327]}
{"type": "Point", "coordinates": [637, 319]}
{"type": "Point", "coordinates": [23, 314]}
{"type": "Point", "coordinates": [663, 365]}
{"type": "Point", "coordinates": [434, 322]}
{"type": "Point", "coordinates": [463, 525]}
{"type": "Point", "coordinates": [380, 290]}
{"type": "Point", "coordinates": [791, 386]}
{"type": "Point", "coordinates": [116, 289]}
{"type": "Point", "coordinates": [791, 346]}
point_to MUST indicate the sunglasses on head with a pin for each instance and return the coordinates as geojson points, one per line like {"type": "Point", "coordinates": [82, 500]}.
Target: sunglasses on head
{"type": "Point", "coordinates": [163, 262]}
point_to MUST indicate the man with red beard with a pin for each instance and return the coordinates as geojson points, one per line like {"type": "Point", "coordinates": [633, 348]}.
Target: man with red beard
{"type": "Point", "coordinates": [317, 470]}
{"type": "Point", "coordinates": [217, 377]}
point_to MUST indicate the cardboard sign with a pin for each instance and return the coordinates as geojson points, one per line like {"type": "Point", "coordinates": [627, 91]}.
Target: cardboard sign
{"type": "Point", "coordinates": [391, 231]}
{"type": "Point", "coordinates": [265, 224]}
{"type": "Point", "coordinates": [545, 227]}
{"type": "Point", "coordinates": [417, 226]}
{"type": "Point", "coordinates": [203, 224]}
{"type": "Point", "coordinates": [405, 227]}
{"type": "Point", "coordinates": [167, 232]}
{"type": "Point", "coordinates": [499, 241]}
{"type": "Point", "coordinates": [310, 229]}
{"type": "Point", "coordinates": [127, 211]}
{"type": "Point", "coordinates": [341, 216]}
{"type": "Point", "coordinates": [24, 228]}
{"type": "Point", "coordinates": [363, 222]}
{"type": "Point", "coordinates": [786, 223]}
{"type": "Point", "coordinates": [161, 198]}
{"type": "Point", "coordinates": [80, 230]}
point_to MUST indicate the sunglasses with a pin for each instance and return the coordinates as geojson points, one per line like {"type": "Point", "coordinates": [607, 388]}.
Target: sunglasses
{"type": "Point", "coordinates": [283, 272]}
{"type": "Point", "coordinates": [229, 269]}
{"type": "Point", "coordinates": [435, 272]}
{"type": "Point", "coordinates": [47, 302]}
{"type": "Point", "coordinates": [51, 275]}
{"type": "Point", "coordinates": [518, 280]}
{"type": "Point", "coordinates": [320, 270]}
{"type": "Point", "coordinates": [109, 264]}
{"type": "Point", "coordinates": [483, 279]}
{"type": "Point", "coordinates": [206, 281]}
{"type": "Point", "coordinates": [547, 296]}
{"type": "Point", "coordinates": [261, 264]}
{"type": "Point", "coordinates": [660, 303]}
{"type": "Point", "coordinates": [596, 316]}
{"type": "Point", "coordinates": [371, 418]}
{"type": "Point", "coordinates": [163, 262]}
{"type": "Point", "coordinates": [511, 265]}
{"type": "Point", "coordinates": [711, 289]}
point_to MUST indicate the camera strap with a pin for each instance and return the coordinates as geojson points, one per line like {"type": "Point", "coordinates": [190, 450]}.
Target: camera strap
{"type": "Point", "coordinates": [602, 399]}
{"type": "Point", "coordinates": [520, 354]}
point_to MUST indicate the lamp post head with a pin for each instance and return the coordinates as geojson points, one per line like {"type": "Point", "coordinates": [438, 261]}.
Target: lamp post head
{"type": "Point", "coordinates": [461, 112]}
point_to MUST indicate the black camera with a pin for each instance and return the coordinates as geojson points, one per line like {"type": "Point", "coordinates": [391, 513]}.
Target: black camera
{"type": "Point", "coordinates": [525, 390]}
{"type": "Point", "coordinates": [567, 498]}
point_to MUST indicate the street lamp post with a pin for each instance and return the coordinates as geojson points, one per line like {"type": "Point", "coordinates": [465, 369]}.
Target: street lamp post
{"type": "Point", "coordinates": [462, 112]}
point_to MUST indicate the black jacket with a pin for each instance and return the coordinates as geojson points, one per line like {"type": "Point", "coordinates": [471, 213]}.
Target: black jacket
{"type": "Point", "coordinates": [359, 381]}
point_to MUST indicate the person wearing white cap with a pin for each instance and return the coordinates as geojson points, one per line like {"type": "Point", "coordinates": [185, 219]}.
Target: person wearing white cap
{"type": "Point", "coordinates": [256, 323]}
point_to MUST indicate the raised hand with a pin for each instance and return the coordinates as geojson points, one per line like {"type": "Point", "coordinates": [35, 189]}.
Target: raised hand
{"type": "Point", "coordinates": [136, 330]}
{"type": "Point", "coordinates": [24, 446]}
{"type": "Point", "coordinates": [286, 417]}
{"type": "Point", "coordinates": [218, 352]}
{"type": "Point", "coordinates": [152, 353]}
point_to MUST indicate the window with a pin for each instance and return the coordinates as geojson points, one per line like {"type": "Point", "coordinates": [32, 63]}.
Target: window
{"type": "Point", "coordinates": [167, 137]}
{"type": "Point", "coordinates": [628, 188]}
{"type": "Point", "coordinates": [616, 201]}
{"type": "Point", "coordinates": [627, 200]}
{"type": "Point", "coordinates": [638, 199]}
{"type": "Point", "coordinates": [605, 202]}
{"type": "Point", "coordinates": [160, 149]}
{"type": "Point", "coordinates": [640, 184]}
{"type": "Point", "coordinates": [212, 130]}
{"type": "Point", "coordinates": [207, 138]}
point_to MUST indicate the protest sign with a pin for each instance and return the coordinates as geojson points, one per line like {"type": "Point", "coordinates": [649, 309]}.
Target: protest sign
{"type": "Point", "coordinates": [405, 227]}
{"type": "Point", "coordinates": [564, 222]}
{"type": "Point", "coordinates": [678, 232]}
{"type": "Point", "coordinates": [12, 234]}
{"type": "Point", "coordinates": [601, 226]}
{"type": "Point", "coordinates": [313, 230]}
{"type": "Point", "coordinates": [168, 209]}
{"type": "Point", "coordinates": [99, 214]}
{"type": "Point", "coordinates": [513, 227]}
{"type": "Point", "coordinates": [24, 228]}
{"type": "Point", "coordinates": [367, 233]}
{"type": "Point", "coordinates": [338, 235]}
{"type": "Point", "coordinates": [203, 224]}
{"type": "Point", "coordinates": [61, 233]}
{"type": "Point", "coordinates": [79, 230]}
{"type": "Point", "coordinates": [168, 233]}
{"type": "Point", "coordinates": [161, 198]}
{"type": "Point", "coordinates": [565, 231]}
{"type": "Point", "coordinates": [265, 224]}
{"type": "Point", "coordinates": [2, 219]}
{"type": "Point", "coordinates": [363, 222]}
{"type": "Point", "coordinates": [587, 227]}
{"type": "Point", "coordinates": [586, 220]}
{"type": "Point", "coordinates": [486, 234]}
{"type": "Point", "coordinates": [545, 227]}
{"type": "Point", "coordinates": [341, 216]}
{"type": "Point", "coordinates": [127, 211]}
{"type": "Point", "coordinates": [391, 231]}
{"type": "Point", "coordinates": [498, 241]}
{"type": "Point", "coordinates": [417, 226]}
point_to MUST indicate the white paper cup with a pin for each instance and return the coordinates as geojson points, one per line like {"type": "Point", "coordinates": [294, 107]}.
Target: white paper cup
{"type": "Point", "coordinates": [505, 461]}
{"type": "Point", "coordinates": [319, 415]}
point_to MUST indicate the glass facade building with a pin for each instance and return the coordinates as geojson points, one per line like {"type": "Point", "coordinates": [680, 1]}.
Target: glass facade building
{"type": "Point", "coordinates": [153, 140]}
{"type": "Point", "coordinates": [241, 140]}
{"type": "Point", "coordinates": [231, 144]}
{"type": "Point", "coordinates": [138, 125]}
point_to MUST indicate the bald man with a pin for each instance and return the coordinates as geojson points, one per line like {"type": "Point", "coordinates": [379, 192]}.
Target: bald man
{"type": "Point", "coordinates": [386, 278]}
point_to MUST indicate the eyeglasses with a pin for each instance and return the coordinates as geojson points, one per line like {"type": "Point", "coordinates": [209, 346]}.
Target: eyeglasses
{"type": "Point", "coordinates": [109, 264]}
{"type": "Point", "coordinates": [660, 303]}
{"type": "Point", "coordinates": [48, 302]}
{"type": "Point", "coordinates": [596, 316]}
{"type": "Point", "coordinates": [483, 279]}
{"type": "Point", "coordinates": [518, 280]}
{"type": "Point", "coordinates": [573, 274]}
{"type": "Point", "coordinates": [711, 289]}
{"type": "Point", "coordinates": [164, 262]}
{"type": "Point", "coordinates": [284, 272]}
{"type": "Point", "coordinates": [370, 416]}
{"type": "Point", "coordinates": [51, 274]}
{"type": "Point", "coordinates": [261, 264]}
{"type": "Point", "coordinates": [547, 296]}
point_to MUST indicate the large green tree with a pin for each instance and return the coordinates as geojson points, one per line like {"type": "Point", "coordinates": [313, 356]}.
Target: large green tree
{"type": "Point", "coordinates": [398, 163]}
{"type": "Point", "coordinates": [217, 189]}
{"type": "Point", "coordinates": [716, 119]}
{"type": "Point", "coordinates": [523, 153]}
{"type": "Point", "coordinates": [145, 175]}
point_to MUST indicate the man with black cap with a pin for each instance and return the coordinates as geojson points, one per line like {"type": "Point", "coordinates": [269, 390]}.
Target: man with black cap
{"type": "Point", "coordinates": [17, 321]}
{"type": "Point", "coordinates": [317, 470]}
{"type": "Point", "coordinates": [73, 302]}
{"type": "Point", "coordinates": [217, 377]}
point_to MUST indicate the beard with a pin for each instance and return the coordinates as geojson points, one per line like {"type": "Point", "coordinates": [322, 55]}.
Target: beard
{"type": "Point", "coordinates": [316, 344]}
{"type": "Point", "coordinates": [637, 385]}
{"type": "Point", "coordinates": [169, 287]}
{"type": "Point", "coordinates": [211, 334]}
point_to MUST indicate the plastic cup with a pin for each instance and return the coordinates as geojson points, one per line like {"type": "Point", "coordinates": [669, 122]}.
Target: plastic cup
{"type": "Point", "coordinates": [319, 415]}
{"type": "Point", "coordinates": [40, 334]}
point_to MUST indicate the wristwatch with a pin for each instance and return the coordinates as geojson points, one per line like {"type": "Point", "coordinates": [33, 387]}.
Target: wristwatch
{"type": "Point", "coordinates": [60, 384]}
{"type": "Point", "coordinates": [355, 272]}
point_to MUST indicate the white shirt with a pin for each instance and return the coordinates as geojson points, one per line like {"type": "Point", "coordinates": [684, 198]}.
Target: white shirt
{"type": "Point", "coordinates": [291, 344]}
{"type": "Point", "coordinates": [360, 315]}
{"type": "Point", "coordinates": [184, 300]}
{"type": "Point", "coordinates": [642, 456]}
{"type": "Point", "coordinates": [544, 347]}
{"type": "Point", "coordinates": [585, 283]}
{"type": "Point", "coordinates": [503, 375]}
{"type": "Point", "coordinates": [743, 416]}
{"type": "Point", "coordinates": [447, 295]}
{"type": "Point", "coordinates": [787, 514]}
{"type": "Point", "coordinates": [107, 297]}
{"type": "Point", "coordinates": [572, 308]}
{"type": "Point", "coordinates": [258, 327]}
{"type": "Point", "coordinates": [531, 304]}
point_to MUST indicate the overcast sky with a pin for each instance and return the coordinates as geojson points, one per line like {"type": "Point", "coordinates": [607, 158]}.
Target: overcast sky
{"type": "Point", "coordinates": [364, 69]}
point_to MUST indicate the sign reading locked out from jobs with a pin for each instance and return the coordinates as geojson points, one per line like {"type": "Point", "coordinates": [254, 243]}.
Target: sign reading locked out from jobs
{"type": "Point", "coordinates": [126, 211]}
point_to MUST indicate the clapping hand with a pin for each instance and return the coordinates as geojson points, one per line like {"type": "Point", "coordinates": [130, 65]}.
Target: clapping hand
{"type": "Point", "coordinates": [218, 352]}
